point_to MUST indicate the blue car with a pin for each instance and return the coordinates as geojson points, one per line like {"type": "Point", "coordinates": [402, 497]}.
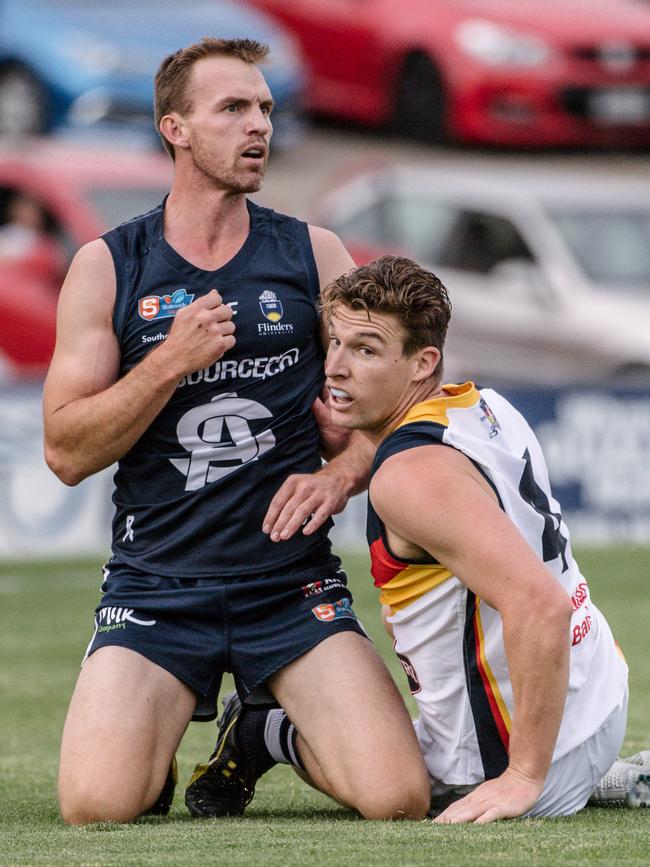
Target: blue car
{"type": "Point", "coordinates": [84, 63]}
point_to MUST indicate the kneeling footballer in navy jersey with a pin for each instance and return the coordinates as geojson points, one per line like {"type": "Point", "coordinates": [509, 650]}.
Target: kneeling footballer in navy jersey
{"type": "Point", "coordinates": [189, 351]}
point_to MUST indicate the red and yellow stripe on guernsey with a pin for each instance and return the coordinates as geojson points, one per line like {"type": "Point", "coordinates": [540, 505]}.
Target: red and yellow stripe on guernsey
{"type": "Point", "coordinates": [498, 705]}
{"type": "Point", "coordinates": [402, 583]}
{"type": "Point", "coordinates": [491, 717]}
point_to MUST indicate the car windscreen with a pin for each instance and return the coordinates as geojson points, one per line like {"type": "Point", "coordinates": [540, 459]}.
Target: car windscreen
{"type": "Point", "coordinates": [117, 204]}
{"type": "Point", "coordinates": [612, 246]}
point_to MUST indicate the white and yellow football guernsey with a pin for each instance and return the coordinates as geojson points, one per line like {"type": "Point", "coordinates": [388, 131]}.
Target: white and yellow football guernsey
{"type": "Point", "coordinates": [450, 641]}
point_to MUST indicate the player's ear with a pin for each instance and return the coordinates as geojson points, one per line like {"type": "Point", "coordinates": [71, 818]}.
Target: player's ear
{"type": "Point", "coordinates": [426, 361]}
{"type": "Point", "coordinates": [173, 128]}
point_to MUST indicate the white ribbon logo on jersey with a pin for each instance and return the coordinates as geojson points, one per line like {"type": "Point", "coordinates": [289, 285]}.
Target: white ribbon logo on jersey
{"type": "Point", "coordinates": [219, 439]}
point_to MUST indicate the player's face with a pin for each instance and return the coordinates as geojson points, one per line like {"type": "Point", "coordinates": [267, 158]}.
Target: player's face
{"type": "Point", "coordinates": [229, 126]}
{"type": "Point", "coordinates": [370, 379]}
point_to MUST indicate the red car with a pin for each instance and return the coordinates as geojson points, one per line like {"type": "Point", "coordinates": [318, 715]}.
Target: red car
{"type": "Point", "coordinates": [508, 72]}
{"type": "Point", "coordinates": [53, 199]}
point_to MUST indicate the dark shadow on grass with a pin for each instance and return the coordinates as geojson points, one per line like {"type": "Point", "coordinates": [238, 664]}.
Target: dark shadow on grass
{"type": "Point", "coordinates": [311, 814]}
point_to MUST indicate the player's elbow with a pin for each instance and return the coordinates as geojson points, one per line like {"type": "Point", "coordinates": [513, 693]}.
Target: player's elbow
{"type": "Point", "coordinates": [62, 467]}
{"type": "Point", "coordinates": [553, 614]}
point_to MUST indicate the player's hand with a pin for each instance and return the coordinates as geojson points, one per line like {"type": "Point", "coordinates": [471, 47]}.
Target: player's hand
{"type": "Point", "coordinates": [333, 438]}
{"type": "Point", "coordinates": [200, 334]}
{"type": "Point", "coordinates": [506, 797]}
{"type": "Point", "coordinates": [304, 500]}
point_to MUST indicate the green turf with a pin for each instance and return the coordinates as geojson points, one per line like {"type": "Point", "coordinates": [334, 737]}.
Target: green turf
{"type": "Point", "coordinates": [44, 626]}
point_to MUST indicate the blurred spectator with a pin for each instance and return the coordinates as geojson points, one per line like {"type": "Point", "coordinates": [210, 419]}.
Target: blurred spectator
{"type": "Point", "coordinates": [26, 240]}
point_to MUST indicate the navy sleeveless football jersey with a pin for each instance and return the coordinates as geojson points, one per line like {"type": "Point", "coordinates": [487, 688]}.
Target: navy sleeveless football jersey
{"type": "Point", "coordinates": [191, 494]}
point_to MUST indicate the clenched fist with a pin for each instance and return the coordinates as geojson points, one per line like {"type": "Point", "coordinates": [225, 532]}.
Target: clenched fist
{"type": "Point", "coordinates": [200, 334]}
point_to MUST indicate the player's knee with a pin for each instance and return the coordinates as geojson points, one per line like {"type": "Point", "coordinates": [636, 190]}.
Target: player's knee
{"type": "Point", "coordinates": [83, 807]}
{"type": "Point", "coordinates": [403, 800]}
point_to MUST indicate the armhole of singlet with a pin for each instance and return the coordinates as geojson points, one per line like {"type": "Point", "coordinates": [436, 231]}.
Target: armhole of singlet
{"type": "Point", "coordinates": [304, 243]}
{"type": "Point", "coordinates": [422, 438]}
{"type": "Point", "coordinates": [119, 263]}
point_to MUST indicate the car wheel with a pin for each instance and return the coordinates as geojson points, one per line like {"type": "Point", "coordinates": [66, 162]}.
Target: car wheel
{"type": "Point", "coordinates": [420, 112]}
{"type": "Point", "coordinates": [24, 106]}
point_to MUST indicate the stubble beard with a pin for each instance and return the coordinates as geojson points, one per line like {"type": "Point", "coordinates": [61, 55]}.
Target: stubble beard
{"type": "Point", "coordinates": [226, 178]}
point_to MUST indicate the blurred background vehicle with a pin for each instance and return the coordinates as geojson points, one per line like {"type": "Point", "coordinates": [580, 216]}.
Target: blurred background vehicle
{"type": "Point", "coordinates": [80, 63]}
{"type": "Point", "coordinates": [54, 197]}
{"type": "Point", "coordinates": [505, 72]}
{"type": "Point", "coordinates": [548, 270]}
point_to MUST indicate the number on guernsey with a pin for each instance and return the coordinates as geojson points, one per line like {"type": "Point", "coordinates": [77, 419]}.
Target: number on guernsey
{"type": "Point", "coordinates": [553, 542]}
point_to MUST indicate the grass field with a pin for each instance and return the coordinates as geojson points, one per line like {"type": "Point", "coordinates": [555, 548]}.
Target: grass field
{"type": "Point", "coordinates": [45, 624]}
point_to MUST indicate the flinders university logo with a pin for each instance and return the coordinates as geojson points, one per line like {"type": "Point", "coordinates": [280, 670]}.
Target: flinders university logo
{"type": "Point", "coordinates": [271, 306]}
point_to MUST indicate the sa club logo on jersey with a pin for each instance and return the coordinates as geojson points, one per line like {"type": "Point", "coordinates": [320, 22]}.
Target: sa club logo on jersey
{"type": "Point", "coordinates": [271, 306]}
{"type": "Point", "coordinates": [219, 439]}
{"type": "Point", "coordinates": [163, 306]}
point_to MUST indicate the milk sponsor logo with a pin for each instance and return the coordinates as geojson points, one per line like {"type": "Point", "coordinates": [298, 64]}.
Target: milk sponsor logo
{"type": "Point", "coordinates": [112, 618]}
{"type": "Point", "coordinates": [219, 439]}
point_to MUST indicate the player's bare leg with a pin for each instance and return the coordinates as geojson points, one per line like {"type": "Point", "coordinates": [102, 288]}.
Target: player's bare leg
{"type": "Point", "coordinates": [356, 740]}
{"type": "Point", "coordinates": [125, 721]}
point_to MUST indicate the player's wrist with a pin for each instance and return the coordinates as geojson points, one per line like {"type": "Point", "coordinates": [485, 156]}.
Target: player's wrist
{"type": "Point", "coordinates": [529, 772]}
{"type": "Point", "coordinates": [349, 479]}
{"type": "Point", "coordinates": [163, 367]}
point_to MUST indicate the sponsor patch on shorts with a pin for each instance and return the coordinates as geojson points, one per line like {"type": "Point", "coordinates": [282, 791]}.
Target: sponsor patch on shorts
{"type": "Point", "coordinates": [315, 588]}
{"type": "Point", "coordinates": [334, 611]}
{"type": "Point", "coordinates": [111, 618]}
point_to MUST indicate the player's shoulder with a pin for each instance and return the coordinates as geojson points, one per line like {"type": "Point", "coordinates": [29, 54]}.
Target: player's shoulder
{"type": "Point", "coordinates": [324, 238]}
{"type": "Point", "coordinates": [331, 256]}
{"type": "Point", "coordinates": [426, 466]}
{"type": "Point", "coordinates": [90, 281]}
{"type": "Point", "coordinates": [94, 256]}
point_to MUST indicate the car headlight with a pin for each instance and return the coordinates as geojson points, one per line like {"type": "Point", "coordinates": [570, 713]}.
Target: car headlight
{"type": "Point", "coordinates": [498, 45]}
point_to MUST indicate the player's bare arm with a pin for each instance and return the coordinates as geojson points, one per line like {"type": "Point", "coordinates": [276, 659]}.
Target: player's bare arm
{"type": "Point", "coordinates": [308, 500]}
{"type": "Point", "coordinates": [448, 510]}
{"type": "Point", "coordinates": [91, 417]}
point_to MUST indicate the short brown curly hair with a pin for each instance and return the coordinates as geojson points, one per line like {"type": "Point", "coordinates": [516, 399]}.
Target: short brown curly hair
{"type": "Point", "coordinates": [397, 285]}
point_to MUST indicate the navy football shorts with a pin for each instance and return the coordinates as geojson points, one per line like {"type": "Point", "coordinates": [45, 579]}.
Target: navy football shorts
{"type": "Point", "coordinates": [198, 628]}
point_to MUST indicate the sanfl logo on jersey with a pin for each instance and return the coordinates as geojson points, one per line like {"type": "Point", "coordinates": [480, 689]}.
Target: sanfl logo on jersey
{"type": "Point", "coordinates": [163, 306]}
{"type": "Point", "coordinates": [219, 439]}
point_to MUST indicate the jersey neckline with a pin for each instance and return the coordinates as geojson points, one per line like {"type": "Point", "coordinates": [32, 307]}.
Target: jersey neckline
{"type": "Point", "coordinates": [243, 255]}
{"type": "Point", "coordinates": [461, 396]}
